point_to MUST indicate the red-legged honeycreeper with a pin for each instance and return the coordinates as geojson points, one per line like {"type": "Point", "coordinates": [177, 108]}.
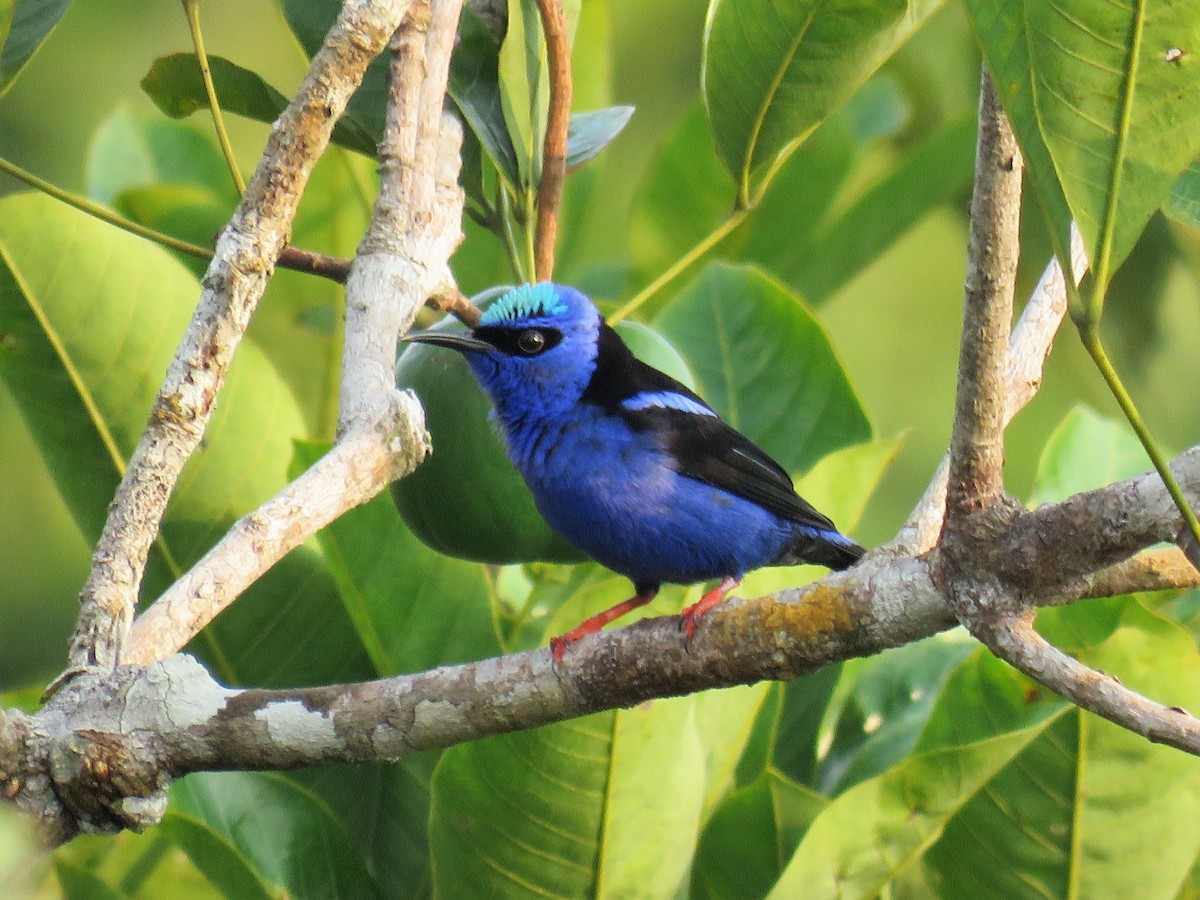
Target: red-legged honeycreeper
{"type": "Point", "coordinates": [629, 465]}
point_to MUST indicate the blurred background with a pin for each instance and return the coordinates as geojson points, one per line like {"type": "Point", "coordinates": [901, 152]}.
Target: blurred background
{"type": "Point", "coordinates": [895, 326]}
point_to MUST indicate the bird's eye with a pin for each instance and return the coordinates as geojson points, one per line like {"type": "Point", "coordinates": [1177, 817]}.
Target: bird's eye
{"type": "Point", "coordinates": [531, 342]}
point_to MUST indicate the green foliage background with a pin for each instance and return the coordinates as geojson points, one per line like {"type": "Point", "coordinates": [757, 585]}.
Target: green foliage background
{"type": "Point", "coordinates": [932, 769]}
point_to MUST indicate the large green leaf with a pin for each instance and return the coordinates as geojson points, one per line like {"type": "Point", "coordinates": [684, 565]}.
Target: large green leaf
{"type": "Point", "coordinates": [607, 806]}
{"type": "Point", "coordinates": [773, 71]}
{"type": "Point", "coordinates": [91, 317]}
{"type": "Point", "coordinates": [256, 835]}
{"type": "Point", "coordinates": [881, 707]}
{"type": "Point", "coordinates": [139, 149]}
{"type": "Point", "coordinates": [871, 834]}
{"type": "Point", "coordinates": [414, 609]}
{"type": "Point", "coordinates": [765, 364]}
{"type": "Point", "coordinates": [752, 836]}
{"type": "Point", "coordinates": [1100, 104]}
{"type": "Point", "coordinates": [1086, 451]}
{"type": "Point", "coordinates": [930, 175]}
{"type": "Point", "coordinates": [24, 26]}
{"type": "Point", "coordinates": [175, 85]}
{"type": "Point", "coordinates": [800, 229]}
{"type": "Point", "coordinates": [1080, 812]}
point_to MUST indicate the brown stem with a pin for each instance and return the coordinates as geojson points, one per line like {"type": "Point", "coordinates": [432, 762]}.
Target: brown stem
{"type": "Point", "coordinates": [554, 155]}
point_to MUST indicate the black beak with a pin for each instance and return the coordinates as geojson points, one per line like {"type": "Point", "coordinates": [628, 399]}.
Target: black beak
{"type": "Point", "coordinates": [459, 341]}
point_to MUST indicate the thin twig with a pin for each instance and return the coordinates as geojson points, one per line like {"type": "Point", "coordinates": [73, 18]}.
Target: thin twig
{"type": "Point", "coordinates": [1017, 643]}
{"type": "Point", "coordinates": [554, 155]}
{"type": "Point", "coordinates": [452, 301]}
{"type": "Point", "coordinates": [244, 258]}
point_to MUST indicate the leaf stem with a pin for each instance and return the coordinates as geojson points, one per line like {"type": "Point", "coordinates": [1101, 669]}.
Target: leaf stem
{"type": "Point", "coordinates": [681, 265]}
{"type": "Point", "coordinates": [508, 238]}
{"type": "Point", "coordinates": [192, 9]}
{"type": "Point", "coordinates": [105, 215]}
{"type": "Point", "coordinates": [1090, 336]}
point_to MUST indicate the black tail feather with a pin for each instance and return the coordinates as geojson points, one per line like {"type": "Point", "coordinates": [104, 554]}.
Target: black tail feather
{"type": "Point", "coordinates": [819, 550]}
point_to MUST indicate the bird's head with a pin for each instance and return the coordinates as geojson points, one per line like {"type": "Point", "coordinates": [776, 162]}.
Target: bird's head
{"type": "Point", "coordinates": [534, 349]}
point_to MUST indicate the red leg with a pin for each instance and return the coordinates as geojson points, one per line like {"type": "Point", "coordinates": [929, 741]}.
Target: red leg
{"type": "Point", "coordinates": [559, 644]}
{"type": "Point", "coordinates": [692, 614]}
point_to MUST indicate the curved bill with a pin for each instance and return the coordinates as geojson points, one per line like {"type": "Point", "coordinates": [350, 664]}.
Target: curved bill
{"type": "Point", "coordinates": [452, 339]}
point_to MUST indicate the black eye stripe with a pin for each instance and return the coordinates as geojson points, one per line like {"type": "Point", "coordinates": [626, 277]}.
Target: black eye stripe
{"type": "Point", "coordinates": [508, 340]}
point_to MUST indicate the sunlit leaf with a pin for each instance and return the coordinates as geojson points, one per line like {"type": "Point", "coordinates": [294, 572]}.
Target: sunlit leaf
{"type": "Point", "coordinates": [24, 26]}
{"type": "Point", "coordinates": [1099, 98]}
{"type": "Point", "coordinates": [774, 70]}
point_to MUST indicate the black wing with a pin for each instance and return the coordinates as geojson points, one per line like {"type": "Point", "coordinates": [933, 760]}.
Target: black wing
{"type": "Point", "coordinates": [705, 447]}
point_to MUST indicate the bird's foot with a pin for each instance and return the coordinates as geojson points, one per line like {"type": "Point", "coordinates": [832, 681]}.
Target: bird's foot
{"type": "Point", "coordinates": [691, 615]}
{"type": "Point", "coordinates": [558, 645]}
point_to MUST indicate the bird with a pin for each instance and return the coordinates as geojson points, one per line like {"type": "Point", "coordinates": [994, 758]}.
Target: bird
{"type": "Point", "coordinates": [626, 463]}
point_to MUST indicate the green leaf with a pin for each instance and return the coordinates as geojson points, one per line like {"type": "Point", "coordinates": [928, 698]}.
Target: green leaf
{"type": "Point", "coordinates": [606, 806]}
{"type": "Point", "coordinates": [750, 838]}
{"type": "Point", "coordinates": [1083, 806]}
{"type": "Point", "coordinates": [1101, 109]}
{"type": "Point", "coordinates": [141, 150]}
{"type": "Point", "coordinates": [1183, 202]}
{"type": "Point", "coordinates": [873, 831]}
{"type": "Point", "coordinates": [881, 707]}
{"type": "Point", "coordinates": [255, 835]}
{"type": "Point", "coordinates": [684, 196]}
{"type": "Point", "coordinates": [1086, 451]}
{"type": "Point", "coordinates": [90, 317]}
{"type": "Point", "coordinates": [79, 883]}
{"type": "Point", "coordinates": [774, 70]}
{"type": "Point", "coordinates": [590, 132]}
{"type": "Point", "coordinates": [765, 364]}
{"type": "Point", "coordinates": [175, 85]}
{"type": "Point", "coordinates": [24, 26]}
{"type": "Point", "coordinates": [930, 175]}
{"type": "Point", "coordinates": [391, 583]}
{"type": "Point", "coordinates": [475, 88]}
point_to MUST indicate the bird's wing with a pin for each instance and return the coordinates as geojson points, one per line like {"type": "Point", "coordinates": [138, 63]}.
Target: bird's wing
{"type": "Point", "coordinates": [709, 450]}
{"type": "Point", "coordinates": [703, 447]}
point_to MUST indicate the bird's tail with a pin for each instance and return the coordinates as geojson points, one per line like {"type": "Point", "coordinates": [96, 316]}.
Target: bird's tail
{"type": "Point", "coordinates": [824, 548]}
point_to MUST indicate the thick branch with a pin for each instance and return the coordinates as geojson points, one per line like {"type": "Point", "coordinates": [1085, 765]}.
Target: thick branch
{"type": "Point", "coordinates": [977, 442]}
{"type": "Point", "coordinates": [244, 259]}
{"type": "Point", "coordinates": [102, 753]}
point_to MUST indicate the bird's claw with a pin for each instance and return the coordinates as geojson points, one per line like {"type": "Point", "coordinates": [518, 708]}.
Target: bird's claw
{"type": "Point", "coordinates": [558, 648]}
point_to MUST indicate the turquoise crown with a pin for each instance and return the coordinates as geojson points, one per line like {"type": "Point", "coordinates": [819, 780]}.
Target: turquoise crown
{"type": "Point", "coordinates": [529, 301]}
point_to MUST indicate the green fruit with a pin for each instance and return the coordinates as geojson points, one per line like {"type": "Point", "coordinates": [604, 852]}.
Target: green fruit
{"type": "Point", "coordinates": [467, 500]}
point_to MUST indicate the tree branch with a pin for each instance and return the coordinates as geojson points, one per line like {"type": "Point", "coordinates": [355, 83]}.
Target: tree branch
{"type": "Point", "coordinates": [977, 442]}
{"type": "Point", "coordinates": [554, 155]}
{"type": "Point", "coordinates": [244, 259]}
{"type": "Point", "coordinates": [102, 753]}
{"type": "Point", "coordinates": [1028, 347]}
{"type": "Point", "coordinates": [415, 226]}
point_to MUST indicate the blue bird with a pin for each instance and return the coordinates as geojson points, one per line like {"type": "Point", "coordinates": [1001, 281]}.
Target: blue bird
{"type": "Point", "coordinates": [629, 465]}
